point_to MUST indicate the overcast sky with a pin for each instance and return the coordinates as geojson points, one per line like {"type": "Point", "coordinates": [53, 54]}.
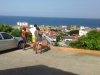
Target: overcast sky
{"type": "Point", "coordinates": [51, 8]}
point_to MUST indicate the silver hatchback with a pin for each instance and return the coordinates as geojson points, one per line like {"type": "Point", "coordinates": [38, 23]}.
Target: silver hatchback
{"type": "Point", "coordinates": [8, 41]}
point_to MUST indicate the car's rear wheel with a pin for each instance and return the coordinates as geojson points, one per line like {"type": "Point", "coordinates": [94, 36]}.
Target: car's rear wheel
{"type": "Point", "coordinates": [20, 45]}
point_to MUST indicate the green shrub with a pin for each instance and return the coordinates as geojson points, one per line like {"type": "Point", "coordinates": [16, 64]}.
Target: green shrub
{"type": "Point", "coordinates": [5, 28]}
{"type": "Point", "coordinates": [29, 39]}
{"type": "Point", "coordinates": [90, 41]}
{"type": "Point", "coordinates": [16, 32]}
{"type": "Point", "coordinates": [58, 38]}
{"type": "Point", "coordinates": [56, 44]}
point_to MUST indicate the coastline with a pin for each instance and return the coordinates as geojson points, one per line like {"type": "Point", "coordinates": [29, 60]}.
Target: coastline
{"type": "Point", "coordinates": [51, 21]}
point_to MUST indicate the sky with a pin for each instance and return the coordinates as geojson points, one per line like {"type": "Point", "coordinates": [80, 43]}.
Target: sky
{"type": "Point", "coordinates": [51, 8]}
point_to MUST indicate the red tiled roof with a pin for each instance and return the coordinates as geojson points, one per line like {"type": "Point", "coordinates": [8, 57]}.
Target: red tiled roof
{"type": "Point", "coordinates": [53, 33]}
{"type": "Point", "coordinates": [53, 37]}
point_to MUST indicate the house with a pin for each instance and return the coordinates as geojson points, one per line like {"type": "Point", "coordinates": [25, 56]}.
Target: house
{"type": "Point", "coordinates": [68, 38]}
{"type": "Point", "coordinates": [22, 24]}
{"type": "Point", "coordinates": [64, 26]}
{"type": "Point", "coordinates": [53, 35]}
{"type": "Point", "coordinates": [83, 30]}
{"type": "Point", "coordinates": [65, 30]}
{"type": "Point", "coordinates": [75, 36]}
{"type": "Point", "coordinates": [73, 27]}
{"type": "Point", "coordinates": [44, 30]}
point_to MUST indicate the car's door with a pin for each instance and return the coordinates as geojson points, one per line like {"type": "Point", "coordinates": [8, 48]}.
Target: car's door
{"type": "Point", "coordinates": [2, 43]}
{"type": "Point", "coordinates": [11, 42]}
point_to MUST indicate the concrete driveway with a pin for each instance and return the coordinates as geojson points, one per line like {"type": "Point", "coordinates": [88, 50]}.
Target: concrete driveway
{"type": "Point", "coordinates": [52, 62]}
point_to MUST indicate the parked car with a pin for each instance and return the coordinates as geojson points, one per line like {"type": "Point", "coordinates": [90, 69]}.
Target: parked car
{"type": "Point", "coordinates": [8, 41]}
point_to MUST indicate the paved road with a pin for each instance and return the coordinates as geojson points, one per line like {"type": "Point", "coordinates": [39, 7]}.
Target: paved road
{"type": "Point", "coordinates": [51, 62]}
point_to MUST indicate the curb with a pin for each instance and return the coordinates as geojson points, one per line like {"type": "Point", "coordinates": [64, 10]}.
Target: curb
{"type": "Point", "coordinates": [80, 50]}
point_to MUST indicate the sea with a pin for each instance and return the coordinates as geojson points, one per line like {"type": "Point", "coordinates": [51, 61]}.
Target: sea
{"type": "Point", "coordinates": [51, 21]}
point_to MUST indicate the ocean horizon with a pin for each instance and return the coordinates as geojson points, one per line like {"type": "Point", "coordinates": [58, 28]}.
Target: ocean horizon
{"type": "Point", "coordinates": [51, 21]}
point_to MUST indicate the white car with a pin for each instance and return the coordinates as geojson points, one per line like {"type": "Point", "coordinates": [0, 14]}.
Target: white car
{"type": "Point", "coordinates": [8, 41]}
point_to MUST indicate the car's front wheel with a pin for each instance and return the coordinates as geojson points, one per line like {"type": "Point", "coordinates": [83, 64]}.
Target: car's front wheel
{"type": "Point", "coordinates": [20, 45]}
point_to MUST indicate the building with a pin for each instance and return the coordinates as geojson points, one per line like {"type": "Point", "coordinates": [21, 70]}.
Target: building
{"type": "Point", "coordinates": [64, 26]}
{"type": "Point", "coordinates": [74, 27]}
{"type": "Point", "coordinates": [44, 30]}
{"type": "Point", "coordinates": [31, 26]}
{"type": "Point", "coordinates": [75, 36]}
{"type": "Point", "coordinates": [82, 27]}
{"type": "Point", "coordinates": [83, 30]}
{"type": "Point", "coordinates": [22, 24]}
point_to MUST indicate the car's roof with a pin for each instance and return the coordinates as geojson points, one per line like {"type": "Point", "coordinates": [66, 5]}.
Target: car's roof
{"type": "Point", "coordinates": [2, 32]}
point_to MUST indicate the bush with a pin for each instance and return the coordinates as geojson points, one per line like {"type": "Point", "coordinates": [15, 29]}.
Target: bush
{"type": "Point", "coordinates": [56, 44]}
{"type": "Point", "coordinates": [16, 32]}
{"type": "Point", "coordinates": [5, 28]}
{"type": "Point", "coordinates": [29, 39]}
{"type": "Point", "coordinates": [90, 41]}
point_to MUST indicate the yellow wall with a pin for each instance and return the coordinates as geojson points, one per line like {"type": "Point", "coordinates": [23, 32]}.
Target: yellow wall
{"type": "Point", "coordinates": [73, 27]}
{"type": "Point", "coordinates": [44, 30]}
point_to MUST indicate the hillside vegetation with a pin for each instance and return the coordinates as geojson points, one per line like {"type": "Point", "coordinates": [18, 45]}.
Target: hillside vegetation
{"type": "Point", "coordinates": [90, 41]}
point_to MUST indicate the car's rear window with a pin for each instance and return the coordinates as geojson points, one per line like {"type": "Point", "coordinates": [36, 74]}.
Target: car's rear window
{"type": "Point", "coordinates": [6, 36]}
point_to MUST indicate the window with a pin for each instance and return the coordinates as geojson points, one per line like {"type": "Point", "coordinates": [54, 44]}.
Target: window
{"type": "Point", "coordinates": [6, 36]}
{"type": "Point", "coordinates": [0, 37]}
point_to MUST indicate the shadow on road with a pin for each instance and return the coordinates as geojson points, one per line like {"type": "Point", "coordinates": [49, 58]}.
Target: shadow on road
{"type": "Point", "coordinates": [35, 70]}
{"type": "Point", "coordinates": [7, 51]}
{"type": "Point", "coordinates": [46, 48]}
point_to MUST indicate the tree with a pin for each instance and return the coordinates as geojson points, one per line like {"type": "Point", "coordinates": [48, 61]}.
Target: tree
{"type": "Point", "coordinates": [73, 32]}
{"type": "Point", "coordinates": [1, 27]}
{"type": "Point", "coordinates": [58, 38]}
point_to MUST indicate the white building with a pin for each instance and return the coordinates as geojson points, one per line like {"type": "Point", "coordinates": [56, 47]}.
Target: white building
{"type": "Point", "coordinates": [98, 28]}
{"type": "Point", "coordinates": [82, 27]}
{"type": "Point", "coordinates": [22, 24]}
{"type": "Point", "coordinates": [63, 26]}
{"type": "Point", "coordinates": [83, 30]}
{"type": "Point", "coordinates": [31, 26]}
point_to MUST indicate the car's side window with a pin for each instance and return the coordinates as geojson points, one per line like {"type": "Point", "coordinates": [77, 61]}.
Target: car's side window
{"type": "Point", "coordinates": [6, 36]}
{"type": "Point", "coordinates": [0, 37]}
